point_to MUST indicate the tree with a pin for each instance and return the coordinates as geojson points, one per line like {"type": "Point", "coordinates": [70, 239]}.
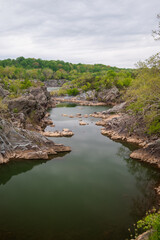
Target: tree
{"type": "Point", "coordinates": [156, 33]}
{"type": "Point", "coordinates": [143, 96]}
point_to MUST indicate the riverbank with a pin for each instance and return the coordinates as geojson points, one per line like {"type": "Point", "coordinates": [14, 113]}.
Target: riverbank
{"type": "Point", "coordinates": [120, 126]}
{"type": "Point", "coordinates": [58, 100]}
{"type": "Point", "coordinates": [21, 123]}
{"type": "Point", "coordinates": [21, 144]}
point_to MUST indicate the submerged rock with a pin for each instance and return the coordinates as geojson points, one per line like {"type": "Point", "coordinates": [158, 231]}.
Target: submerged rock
{"type": "Point", "coordinates": [81, 123]}
{"type": "Point", "coordinates": [64, 133]}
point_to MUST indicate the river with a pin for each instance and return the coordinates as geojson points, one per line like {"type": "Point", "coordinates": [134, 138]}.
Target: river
{"type": "Point", "coordinates": [96, 192]}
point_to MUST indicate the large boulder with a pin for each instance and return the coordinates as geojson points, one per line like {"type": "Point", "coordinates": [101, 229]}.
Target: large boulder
{"type": "Point", "coordinates": [16, 143]}
{"type": "Point", "coordinates": [108, 95]}
{"type": "Point", "coordinates": [88, 96]}
{"type": "Point", "coordinates": [32, 107]}
{"type": "Point", "coordinates": [116, 109]}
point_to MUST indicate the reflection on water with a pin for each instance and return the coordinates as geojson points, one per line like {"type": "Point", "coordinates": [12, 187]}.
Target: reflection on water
{"type": "Point", "coordinates": [66, 104]}
{"type": "Point", "coordinates": [14, 168]}
{"type": "Point", "coordinates": [145, 183]}
{"type": "Point", "coordinates": [96, 192]}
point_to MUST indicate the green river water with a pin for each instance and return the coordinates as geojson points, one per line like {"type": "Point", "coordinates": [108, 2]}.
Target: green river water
{"type": "Point", "coordinates": [96, 192]}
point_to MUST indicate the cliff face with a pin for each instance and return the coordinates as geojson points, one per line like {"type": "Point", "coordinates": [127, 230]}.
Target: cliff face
{"type": "Point", "coordinates": [17, 143]}
{"type": "Point", "coordinates": [25, 113]}
{"type": "Point", "coordinates": [29, 110]}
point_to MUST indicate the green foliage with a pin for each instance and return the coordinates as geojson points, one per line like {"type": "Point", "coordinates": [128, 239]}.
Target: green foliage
{"type": "Point", "coordinates": [43, 70]}
{"type": "Point", "coordinates": [99, 81]}
{"type": "Point", "coordinates": [26, 83]}
{"type": "Point", "coordinates": [72, 92]}
{"type": "Point", "coordinates": [151, 222]}
{"type": "Point", "coordinates": [62, 92]}
{"type": "Point", "coordinates": [15, 110]}
{"type": "Point", "coordinates": [143, 95]}
{"type": "Point", "coordinates": [17, 87]}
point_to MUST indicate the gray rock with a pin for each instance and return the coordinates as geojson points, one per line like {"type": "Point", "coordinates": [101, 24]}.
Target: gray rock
{"type": "Point", "coordinates": [16, 143]}
{"type": "Point", "coordinates": [88, 96]}
{"type": "Point", "coordinates": [108, 95]}
{"type": "Point", "coordinates": [55, 82]}
{"type": "Point", "coordinates": [3, 92]}
{"type": "Point", "coordinates": [116, 109]}
{"type": "Point", "coordinates": [144, 236]}
{"type": "Point", "coordinates": [33, 105]}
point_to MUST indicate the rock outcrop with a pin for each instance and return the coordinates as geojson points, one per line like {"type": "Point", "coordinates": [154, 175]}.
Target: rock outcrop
{"type": "Point", "coordinates": [94, 98]}
{"type": "Point", "coordinates": [150, 153]}
{"type": "Point", "coordinates": [120, 126]}
{"type": "Point", "coordinates": [16, 143]}
{"type": "Point", "coordinates": [55, 82]}
{"type": "Point", "coordinates": [29, 110]}
{"type": "Point", "coordinates": [108, 96]}
{"type": "Point", "coordinates": [88, 96]}
{"type": "Point", "coordinates": [144, 236]}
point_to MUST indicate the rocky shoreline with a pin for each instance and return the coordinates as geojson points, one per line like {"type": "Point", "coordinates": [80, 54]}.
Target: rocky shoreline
{"type": "Point", "coordinates": [22, 124]}
{"type": "Point", "coordinates": [80, 102]}
{"type": "Point", "coordinates": [17, 144]}
{"type": "Point", "coordinates": [118, 128]}
{"type": "Point", "coordinates": [121, 126]}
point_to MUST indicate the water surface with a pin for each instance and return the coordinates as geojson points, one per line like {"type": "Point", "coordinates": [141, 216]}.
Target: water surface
{"type": "Point", "coordinates": [93, 193]}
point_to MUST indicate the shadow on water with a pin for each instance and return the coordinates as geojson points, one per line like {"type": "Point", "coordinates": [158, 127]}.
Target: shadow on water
{"type": "Point", "coordinates": [146, 181]}
{"type": "Point", "coordinates": [15, 167]}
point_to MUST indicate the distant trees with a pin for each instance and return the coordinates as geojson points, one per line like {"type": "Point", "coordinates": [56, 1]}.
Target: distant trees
{"type": "Point", "coordinates": [43, 70]}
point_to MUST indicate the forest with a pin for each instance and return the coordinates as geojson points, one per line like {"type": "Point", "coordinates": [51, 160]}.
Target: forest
{"type": "Point", "coordinates": [140, 87]}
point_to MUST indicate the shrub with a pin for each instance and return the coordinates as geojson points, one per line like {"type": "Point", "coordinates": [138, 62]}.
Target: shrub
{"type": "Point", "coordinates": [15, 110]}
{"type": "Point", "coordinates": [143, 96]}
{"type": "Point", "coordinates": [73, 92]}
{"type": "Point", "coordinates": [151, 222]}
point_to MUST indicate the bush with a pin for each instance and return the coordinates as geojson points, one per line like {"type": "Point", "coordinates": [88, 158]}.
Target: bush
{"type": "Point", "coordinates": [73, 92]}
{"type": "Point", "coordinates": [143, 95]}
{"type": "Point", "coordinates": [151, 222]}
{"type": "Point", "coordinates": [150, 225]}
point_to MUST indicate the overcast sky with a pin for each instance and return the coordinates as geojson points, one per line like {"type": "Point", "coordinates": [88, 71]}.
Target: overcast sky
{"type": "Point", "coordinates": [112, 32]}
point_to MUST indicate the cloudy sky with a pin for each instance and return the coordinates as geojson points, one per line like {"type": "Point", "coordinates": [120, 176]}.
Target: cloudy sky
{"type": "Point", "coordinates": [112, 32]}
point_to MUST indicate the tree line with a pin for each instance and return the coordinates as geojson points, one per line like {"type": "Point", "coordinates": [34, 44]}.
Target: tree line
{"type": "Point", "coordinates": [49, 69]}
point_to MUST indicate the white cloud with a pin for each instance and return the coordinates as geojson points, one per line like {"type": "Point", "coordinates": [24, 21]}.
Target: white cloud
{"type": "Point", "coordinates": [110, 32]}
